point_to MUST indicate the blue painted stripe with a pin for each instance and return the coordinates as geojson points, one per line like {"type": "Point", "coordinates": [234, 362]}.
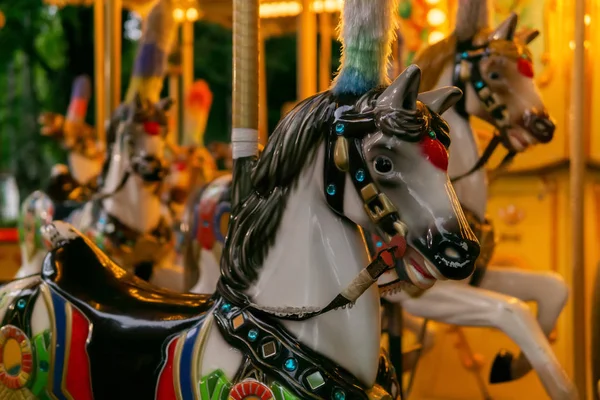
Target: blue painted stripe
{"type": "Point", "coordinates": [60, 317]}
{"type": "Point", "coordinates": [151, 61]}
{"type": "Point", "coordinates": [185, 364]}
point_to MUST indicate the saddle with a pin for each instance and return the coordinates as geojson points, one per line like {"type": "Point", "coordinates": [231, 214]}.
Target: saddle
{"type": "Point", "coordinates": [132, 320]}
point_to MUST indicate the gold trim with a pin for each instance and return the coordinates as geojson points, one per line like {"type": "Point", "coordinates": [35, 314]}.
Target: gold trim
{"type": "Point", "coordinates": [51, 317]}
{"type": "Point", "coordinates": [176, 363]}
{"type": "Point", "coordinates": [198, 353]}
{"type": "Point", "coordinates": [68, 334]}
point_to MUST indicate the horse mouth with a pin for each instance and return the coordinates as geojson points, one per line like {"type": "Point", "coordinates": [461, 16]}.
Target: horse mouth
{"type": "Point", "coordinates": [520, 139]}
{"type": "Point", "coordinates": [419, 270]}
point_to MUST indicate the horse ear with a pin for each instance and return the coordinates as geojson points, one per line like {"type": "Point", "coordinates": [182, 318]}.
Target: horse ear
{"type": "Point", "coordinates": [506, 30]}
{"type": "Point", "coordinates": [440, 100]}
{"type": "Point", "coordinates": [165, 104]}
{"type": "Point", "coordinates": [403, 92]}
{"type": "Point", "coordinates": [526, 35]}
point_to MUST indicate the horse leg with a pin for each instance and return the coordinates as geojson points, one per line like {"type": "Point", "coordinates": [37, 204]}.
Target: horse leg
{"type": "Point", "coordinates": [415, 325]}
{"type": "Point", "coordinates": [547, 289]}
{"type": "Point", "coordinates": [459, 304]}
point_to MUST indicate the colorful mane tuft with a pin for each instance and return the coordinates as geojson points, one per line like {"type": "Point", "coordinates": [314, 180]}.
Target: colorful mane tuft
{"type": "Point", "coordinates": [367, 29]}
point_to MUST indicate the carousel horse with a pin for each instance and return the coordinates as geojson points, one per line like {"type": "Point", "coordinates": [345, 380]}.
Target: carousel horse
{"type": "Point", "coordinates": [494, 70]}
{"type": "Point", "coordinates": [77, 182]}
{"type": "Point", "coordinates": [363, 153]}
{"type": "Point", "coordinates": [126, 218]}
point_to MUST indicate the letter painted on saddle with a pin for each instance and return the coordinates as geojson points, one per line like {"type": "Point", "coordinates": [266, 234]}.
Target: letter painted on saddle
{"type": "Point", "coordinates": [69, 349]}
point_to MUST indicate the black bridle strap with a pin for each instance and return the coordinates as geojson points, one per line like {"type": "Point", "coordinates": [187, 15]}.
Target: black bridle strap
{"type": "Point", "coordinates": [102, 196]}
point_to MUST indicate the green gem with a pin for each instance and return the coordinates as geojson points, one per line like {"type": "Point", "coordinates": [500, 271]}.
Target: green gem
{"type": "Point", "coordinates": [405, 9]}
{"type": "Point", "coordinates": [21, 304]}
{"type": "Point", "coordinates": [315, 380]}
{"type": "Point", "coordinates": [432, 134]}
{"type": "Point", "coordinates": [44, 365]}
{"type": "Point", "coordinates": [339, 394]}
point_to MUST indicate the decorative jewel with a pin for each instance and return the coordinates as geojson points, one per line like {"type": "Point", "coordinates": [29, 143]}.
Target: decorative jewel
{"type": "Point", "coordinates": [339, 128]}
{"type": "Point", "coordinates": [16, 369]}
{"type": "Point", "coordinates": [405, 9]}
{"type": "Point", "coordinates": [252, 335]}
{"type": "Point", "coordinates": [379, 244]}
{"type": "Point", "coordinates": [315, 380]}
{"type": "Point", "coordinates": [331, 189]}
{"type": "Point", "coordinates": [290, 365]}
{"type": "Point", "coordinates": [110, 228]}
{"type": "Point", "coordinates": [432, 134]}
{"type": "Point", "coordinates": [478, 85]}
{"type": "Point", "coordinates": [251, 390]}
{"type": "Point", "coordinates": [226, 307]}
{"type": "Point", "coordinates": [435, 152]}
{"type": "Point", "coordinates": [525, 67]}
{"type": "Point", "coordinates": [339, 394]}
{"type": "Point", "coordinates": [465, 55]}
{"type": "Point", "coordinates": [269, 349]}
{"type": "Point", "coordinates": [360, 175]}
{"type": "Point", "coordinates": [238, 321]}
{"type": "Point", "coordinates": [21, 304]}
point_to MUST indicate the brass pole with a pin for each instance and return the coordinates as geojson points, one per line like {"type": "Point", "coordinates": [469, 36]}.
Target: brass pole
{"type": "Point", "coordinates": [306, 52]}
{"type": "Point", "coordinates": [325, 51]}
{"type": "Point", "coordinates": [577, 176]}
{"type": "Point", "coordinates": [187, 66]}
{"type": "Point", "coordinates": [263, 116]}
{"type": "Point", "coordinates": [99, 89]}
{"type": "Point", "coordinates": [113, 42]}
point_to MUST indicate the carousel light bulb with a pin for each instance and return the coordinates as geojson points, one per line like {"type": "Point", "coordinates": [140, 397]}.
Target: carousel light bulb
{"type": "Point", "coordinates": [435, 37]}
{"type": "Point", "coordinates": [432, 2]}
{"type": "Point", "coordinates": [436, 17]}
{"type": "Point", "coordinates": [178, 14]}
{"type": "Point", "coordinates": [587, 19]}
{"type": "Point", "coordinates": [572, 45]}
{"type": "Point", "coordinates": [191, 14]}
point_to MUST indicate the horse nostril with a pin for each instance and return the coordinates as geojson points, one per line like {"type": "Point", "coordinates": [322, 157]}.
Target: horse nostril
{"type": "Point", "coordinates": [539, 124]}
{"type": "Point", "coordinates": [452, 253]}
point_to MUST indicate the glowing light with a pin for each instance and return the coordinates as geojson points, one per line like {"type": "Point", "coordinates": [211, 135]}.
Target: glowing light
{"type": "Point", "coordinates": [192, 14]}
{"type": "Point", "coordinates": [293, 8]}
{"type": "Point", "coordinates": [329, 6]}
{"type": "Point", "coordinates": [572, 45]}
{"type": "Point", "coordinates": [178, 14]}
{"type": "Point", "coordinates": [436, 17]}
{"type": "Point", "coordinates": [587, 19]}
{"type": "Point", "coordinates": [586, 44]}
{"type": "Point", "coordinates": [435, 37]}
{"type": "Point", "coordinates": [432, 2]}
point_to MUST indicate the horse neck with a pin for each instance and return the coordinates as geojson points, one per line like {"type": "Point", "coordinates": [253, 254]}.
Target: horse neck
{"type": "Point", "coordinates": [83, 168]}
{"type": "Point", "coordinates": [316, 255]}
{"type": "Point", "coordinates": [134, 205]}
{"type": "Point", "coordinates": [464, 153]}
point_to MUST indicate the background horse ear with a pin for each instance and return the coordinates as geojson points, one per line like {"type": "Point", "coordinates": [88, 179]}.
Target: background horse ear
{"type": "Point", "coordinates": [526, 35]}
{"type": "Point", "coordinates": [440, 100]}
{"type": "Point", "coordinates": [506, 30]}
{"type": "Point", "coordinates": [403, 92]}
{"type": "Point", "coordinates": [165, 104]}
{"type": "Point", "coordinates": [471, 17]}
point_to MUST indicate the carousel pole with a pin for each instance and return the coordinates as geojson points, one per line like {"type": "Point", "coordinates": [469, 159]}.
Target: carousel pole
{"type": "Point", "coordinates": [306, 52]}
{"type": "Point", "coordinates": [263, 116]}
{"type": "Point", "coordinates": [187, 67]}
{"type": "Point", "coordinates": [577, 177]}
{"type": "Point", "coordinates": [99, 76]}
{"type": "Point", "coordinates": [325, 51]}
{"type": "Point", "coordinates": [113, 42]}
{"type": "Point", "coordinates": [244, 135]}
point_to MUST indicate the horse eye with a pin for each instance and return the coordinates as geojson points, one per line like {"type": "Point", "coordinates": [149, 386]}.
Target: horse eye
{"type": "Point", "coordinates": [494, 75]}
{"type": "Point", "coordinates": [383, 164]}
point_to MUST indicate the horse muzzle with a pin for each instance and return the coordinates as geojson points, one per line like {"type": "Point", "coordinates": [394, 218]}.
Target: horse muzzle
{"type": "Point", "coordinates": [149, 168]}
{"type": "Point", "coordinates": [539, 125]}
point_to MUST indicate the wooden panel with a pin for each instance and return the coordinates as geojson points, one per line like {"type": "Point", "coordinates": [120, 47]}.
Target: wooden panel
{"type": "Point", "coordinates": [527, 214]}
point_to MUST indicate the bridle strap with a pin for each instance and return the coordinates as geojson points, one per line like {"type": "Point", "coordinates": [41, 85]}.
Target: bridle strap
{"type": "Point", "coordinates": [497, 110]}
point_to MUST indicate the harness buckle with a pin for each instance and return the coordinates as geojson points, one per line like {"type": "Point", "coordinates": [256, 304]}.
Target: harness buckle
{"type": "Point", "coordinates": [377, 205]}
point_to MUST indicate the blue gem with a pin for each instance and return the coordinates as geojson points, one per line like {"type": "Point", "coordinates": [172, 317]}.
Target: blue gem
{"type": "Point", "coordinates": [339, 394]}
{"type": "Point", "coordinates": [205, 223]}
{"type": "Point", "coordinates": [339, 128]}
{"type": "Point", "coordinates": [478, 85]}
{"type": "Point", "coordinates": [290, 365]}
{"type": "Point", "coordinates": [226, 307]}
{"type": "Point", "coordinates": [465, 55]}
{"type": "Point", "coordinates": [331, 189]}
{"type": "Point", "coordinates": [379, 244]}
{"type": "Point", "coordinates": [252, 335]}
{"type": "Point", "coordinates": [21, 304]}
{"type": "Point", "coordinates": [360, 175]}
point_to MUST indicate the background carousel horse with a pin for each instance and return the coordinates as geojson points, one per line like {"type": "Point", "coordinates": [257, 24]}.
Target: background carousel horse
{"type": "Point", "coordinates": [293, 245]}
{"type": "Point", "coordinates": [77, 182]}
{"type": "Point", "coordinates": [127, 217]}
{"type": "Point", "coordinates": [495, 71]}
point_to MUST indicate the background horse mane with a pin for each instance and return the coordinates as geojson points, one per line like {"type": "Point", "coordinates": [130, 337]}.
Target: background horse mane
{"type": "Point", "coordinates": [432, 61]}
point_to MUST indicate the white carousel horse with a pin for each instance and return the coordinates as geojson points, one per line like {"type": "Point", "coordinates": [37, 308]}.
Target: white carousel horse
{"type": "Point", "coordinates": [494, 68]}
{"type": "Point", "coordinates": [293, 245]}
{"type": "Point", "coordinates": [126, 218]}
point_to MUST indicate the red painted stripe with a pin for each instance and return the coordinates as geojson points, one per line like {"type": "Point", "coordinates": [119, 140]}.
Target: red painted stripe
{"type": "Point", "coordinates": [9, 235]}
{"type": "Point", "coordinates": [78, 381]}
{"type": "Point", "coordinates": [165, 390]}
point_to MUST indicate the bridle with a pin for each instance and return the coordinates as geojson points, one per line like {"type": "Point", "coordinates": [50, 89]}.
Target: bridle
{"type": "Point", "coordinates": [467, 52]}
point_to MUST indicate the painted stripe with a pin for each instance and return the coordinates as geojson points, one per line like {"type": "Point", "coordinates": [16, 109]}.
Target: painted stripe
{"type": "Point", "coordinates": [185, 365]}
{"type": "Point", "coordinates": [59, 352]}
{"type": "Point", "coordinates": [82, 88]}
{"type": "Point", "coordinates": [151, 61]}
{"type": "Point", "coordinates": [78, 381]}
{"type": "Point", "coordinates": [165, 389]}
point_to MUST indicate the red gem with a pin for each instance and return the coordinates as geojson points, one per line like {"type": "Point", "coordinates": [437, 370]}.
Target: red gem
{"type": "Point", "coordinates": [435, 152]}
{"type": "Point", "coordinates": [152, 128]}
{"type": "Point", "coordinates": [525, 67]}
{"type": "Point", "coordinates": [180, 166]}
